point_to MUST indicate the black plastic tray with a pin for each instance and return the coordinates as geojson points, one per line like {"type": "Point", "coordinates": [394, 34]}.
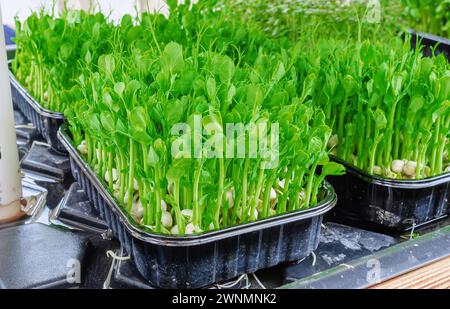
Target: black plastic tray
{"type": "Point", "coordinates": [388, 205]}
{"type": "Point", "coordinates": [45, 121]}
{"type": "Point", "coordinates": [393, 205]}
{"type": "Point", "coordinates": [199, 260]}
{"type": "Point", "coordinates": [430, 42]}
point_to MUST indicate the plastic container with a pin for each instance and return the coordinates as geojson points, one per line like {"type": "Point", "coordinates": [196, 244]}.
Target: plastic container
{"type": "Point", "coordinates": [430, 42]}
{"type": "Point", "coordinates": [200, 260]}
{"type": "Point", "coordinates": [45, 121]}
{"type": "Point", "coordinates": [388, 205]}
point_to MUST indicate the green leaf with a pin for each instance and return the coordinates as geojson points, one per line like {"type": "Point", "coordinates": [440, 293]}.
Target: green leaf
{"type": "Point", "coordinates": [107, 64]}
{"type": "Point", "coordinates": [119, 88]}
{"type": "Point", "coordinates": [380, 119]}
{"type": "Point", "coordinates": [349, 84]}
{"type": "Point", "coordinates": [107, 122]}
{"type": "Point", "coordinates": [174, 112]}
{"type": "Point", "coordinates": [223, 67]}
{"type": "Point", "coordinates": [172, 57]}
{"type": "Point", "coordinates": [137, 119]}
{"type": "Point", "coordinates": [279, 73]}
{"type": "Point", "coordinates": [443, 108]}
{"type": "Point", "coordinates": [211, 88]}
{"type": "Point", "coordinates": [333, 168]}
{"type": "Point", "coordinates": [134, 33]}
{"type": "Point", "coordinates": [416, 104]}
{"type": "Point", "coordinates": [397, 84]}
{"type": "Point", "coordinates": [141, 137]}
{"type": "Point", "coordinates": [179, 168]}
{"type": "Point", "coordinates": [152, 157]}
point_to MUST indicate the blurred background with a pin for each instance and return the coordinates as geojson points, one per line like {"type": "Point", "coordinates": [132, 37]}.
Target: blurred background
{"type": "Point", "coordinates": [118, 8]}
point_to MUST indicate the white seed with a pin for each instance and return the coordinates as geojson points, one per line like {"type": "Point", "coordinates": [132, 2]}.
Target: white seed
{"type": "Point", "coordinates": [273, 195]}
{"type": "Point", "coordinates": [163, 205]}
{"type": "Point", "coordinates": [397, 166]}
{"type": "Point", "coordinates": [114, 175]}
{"type": "Point", "coordinates": [302, 194]}
{"type": "Point", "coordinates": [46, 96]}
{"type": "Point", "coordinates": [127, 195]}
{"type": "Point", "coordinates": [174, 230]}
{"type": "Point", "coordinates": [333, 141]}
{"type": "Point", "coordinates": [230, 198]}
{"type": "Point", "coordinates": [255, 212]}
{"type": "Point", "coordinates": [188, 214]}
{"type": "Point", "coordinates": [239, 213]}
{"type": "Point", "coordinates": [190, 228]}
{"type": "Point", "coordinates": [272, 212]}
{"type": "Point", "coordinates": [410, 168]}
{"type": "Point", "coordinates": [377, 170]}
{"type": "Point", "coordinates": [211, 226]}
{"type": "Point", "coordinates": [281, 183]}
{"type": "Point", "coordinates": [166, 219]}
{"type": "Point", "coordinates": [137, 211]}
{"type": "Point", "coordinates": [447, 169]}
{"type": "Point", "coordinates": [82, 148]}
{"type": "Point", "coordinates": [135, 185]}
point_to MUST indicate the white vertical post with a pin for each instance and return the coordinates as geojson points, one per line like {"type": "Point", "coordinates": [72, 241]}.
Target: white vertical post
{"type": "Point", "coordinates": [10, 182]}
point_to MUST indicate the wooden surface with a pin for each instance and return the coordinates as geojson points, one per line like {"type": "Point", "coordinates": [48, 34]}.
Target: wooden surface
{"type": "Point", "coordinates": [433, 276]}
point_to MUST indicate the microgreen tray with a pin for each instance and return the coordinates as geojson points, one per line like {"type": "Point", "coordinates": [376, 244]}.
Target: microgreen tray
{"type": "Point", "coordinates": [199, 260]}
{"type": "Point", "coordinates": [45, 121]}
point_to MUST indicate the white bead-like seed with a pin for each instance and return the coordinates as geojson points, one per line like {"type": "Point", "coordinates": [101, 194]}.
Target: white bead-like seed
{"type": "Point", "coordinates": [188, 214]}
{"type": "Point", "coordinates": [166, 219]}
{"type": "Point", "coordinates": [230, 198]}
{"type": "Point", "coordinates": [273, 195]}
{"type": "Point", "coordinates": [164, 205]}
{"type": "Point", "coordinates": [174, 230]}
{"type": "Point", "coordinates": [190, 228]}
{"type": "Point", "coordinates": [82, 148]}
{"type": "Point", "coordinates": [377, 170]}
{"type": "Point", "coordinates": [410, 168]}
{"type": "Point", "coordinates": [333, 141]}
{"type": "Point", "coordinates": [397, 166]}
{"type": "Point", "coordinates": [137, 211]}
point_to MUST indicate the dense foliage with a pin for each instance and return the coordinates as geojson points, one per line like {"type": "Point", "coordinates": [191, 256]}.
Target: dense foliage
{"type": "Point", "coordinates": [355, 90]}
{"type": "Point", "coordinates": [50, 50]}
{"type": "Point", "coordinates": [388, 106]}
{"type": "Point", "coordinates": [157, 72]}
{"type": "Point", "coordinates": [431, 16]}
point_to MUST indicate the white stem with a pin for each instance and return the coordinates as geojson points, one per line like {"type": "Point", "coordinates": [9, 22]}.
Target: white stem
{"type": "Point", "coordinates": [10, 183]}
